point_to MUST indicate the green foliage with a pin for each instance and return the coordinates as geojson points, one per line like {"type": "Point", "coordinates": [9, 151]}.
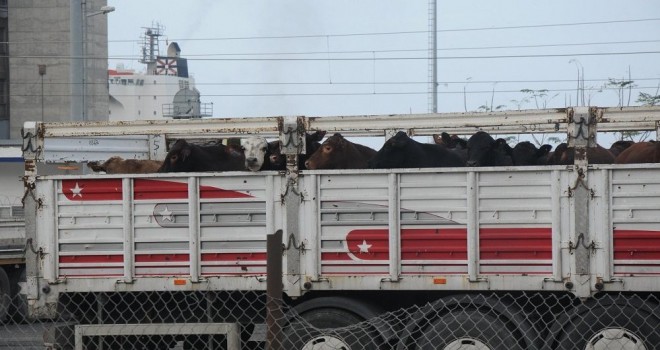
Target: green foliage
{"type": "Point", "coordinates": [539, 95]}
{"type": "Point", "coordinates": [648, 99]}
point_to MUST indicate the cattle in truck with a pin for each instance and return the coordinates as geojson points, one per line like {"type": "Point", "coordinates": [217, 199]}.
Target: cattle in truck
{"type": "Point", "coordinates": [119, 165]}
{"type": "Point", "coordinates": [526, 153]}
{"type": "Point", "coordinates": [275, 160]}
{"type": "Point", "coordinates": [595, 155]}
{"type": "Point", "coordinates": [255, 150]}
{"type": "Point", "coordinates": [339, 153]}
{"type": "Point", "coordinates": [401, 151]}
{"type": "Point", "coordinates": [483, 150]}
{"type": "Point", "coordinates": [619, 146]}
{"type": "Point", "coordinates": [641, 152]}
{"type": "Point", "coordinates": [189, 157]}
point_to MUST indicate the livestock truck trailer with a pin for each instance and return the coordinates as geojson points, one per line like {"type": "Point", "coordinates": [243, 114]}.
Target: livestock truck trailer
{"type": "Point", "coordinates": [535, 257]}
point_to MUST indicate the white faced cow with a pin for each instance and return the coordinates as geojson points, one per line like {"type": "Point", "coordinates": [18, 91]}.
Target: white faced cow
{"type": "Point", "coordinates": [255, 149]}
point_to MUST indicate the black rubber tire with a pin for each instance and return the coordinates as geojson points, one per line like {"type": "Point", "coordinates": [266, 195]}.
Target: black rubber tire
{"type": "Point", "coordinates": [19, 305]}
{"type": "Point", "coordinates": [468, 326]}
{"type": "Point", "coordinates": [322, 324]}
{"type": "Point", "coordinates": [5, 295]}
{"type": "Point", "coordinates": [633, 314]}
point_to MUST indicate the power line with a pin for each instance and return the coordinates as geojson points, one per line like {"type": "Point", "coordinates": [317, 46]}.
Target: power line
{"type": "Point", "coordinates": [417, 31]}
{"type": "Point", "coordinates": [421, 50]}
{"type": "Point", "coordinates": [359, 93]}
{"type": "Point", "coordinates": [356, 58]}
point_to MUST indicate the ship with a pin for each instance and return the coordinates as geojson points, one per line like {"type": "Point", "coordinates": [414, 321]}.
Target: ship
{"type": "Point", "coordinates": [164, 90]}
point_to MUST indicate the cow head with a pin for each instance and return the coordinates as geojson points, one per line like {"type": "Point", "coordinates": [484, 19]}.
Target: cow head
{"type": "Point", "coordinates": [329, 154]}
{"type": "Point", "coordinates": [393, 152]}
{"type": "Point", "coordinates": [177, 157]}
{"type": "Point", "coordinates": [450, 141]}
{"type": "Point", "coordinates": [483, 150]}
{"type": "Point", "coordinates": [255, 149]}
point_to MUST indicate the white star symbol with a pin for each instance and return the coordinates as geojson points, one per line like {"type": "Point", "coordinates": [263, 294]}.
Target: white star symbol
{"type": "Point", "coordinates": [364, 247]}
{"type": "Point", "coordinates": [166, 214]}
{"type": "Point", "coordinates": [76, 191]}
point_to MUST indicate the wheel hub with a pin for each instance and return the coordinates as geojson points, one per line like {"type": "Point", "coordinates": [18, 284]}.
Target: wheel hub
{"type": "Point", "coordinates": [326, 342]}
{"type": "Point", "coordinates": [615, 338]}
{"type": "Point", "coordinates": [466, 344]}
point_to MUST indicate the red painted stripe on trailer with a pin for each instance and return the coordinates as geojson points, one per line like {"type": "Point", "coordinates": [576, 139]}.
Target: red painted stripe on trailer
{"type": "Point", "coordinates": [434, 244]}
{"type": "Point", "coordinates": [161, 257]}
{"type": "Point", "coordinates": [524, 243]}
{"type": "Point", "coordinates": [92, 189]}
{"type": "Point", "coordinates": [78, 259]}
{"type": "Point", "coordinates": [416, 244]}
{"type": "Point", "coordinates": [636, 245]}
{"type": "Point", "coordinates": [149, 189]}
{"type": "Point", "coordinates": [238, 257]}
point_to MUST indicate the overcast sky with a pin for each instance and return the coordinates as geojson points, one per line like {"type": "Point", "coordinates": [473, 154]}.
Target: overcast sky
{"type": "Point", "coordinates": [341, 57]}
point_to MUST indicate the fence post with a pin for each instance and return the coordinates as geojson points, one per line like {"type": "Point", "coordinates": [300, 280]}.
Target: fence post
{"type": "Point", "coordinates": [274, 314]}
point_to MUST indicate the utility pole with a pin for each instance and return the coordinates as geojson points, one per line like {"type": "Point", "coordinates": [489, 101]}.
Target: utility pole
{"type": "Point", "coordinates": [433, 56]}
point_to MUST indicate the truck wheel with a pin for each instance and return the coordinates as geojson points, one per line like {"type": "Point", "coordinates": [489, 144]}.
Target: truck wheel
{"type": "Point", "coordinates": [19, 308]}
{"type": "Point", "coordinates": [328, 328]}
{"type": "Point", "coordinates": [611, 322]}
{"type": "Point", "coordinates": [5, 295]}
{"type": "Point", "coordinates": [323, 323]}
{"type": "Point", "coordinates": [471, 329]}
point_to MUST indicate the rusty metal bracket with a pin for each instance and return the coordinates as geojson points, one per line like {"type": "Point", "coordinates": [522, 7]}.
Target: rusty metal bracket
{"type": "Point", "coordinates": [29, 190]}
{"type": "Point", "coordinates": [580, 182]}
{"type": "Point", "coordinates": [29, 245]}
{"type": "Point", "coordinates": [580, 241]}
{"type": "Point", "coordinates": [291, 242]}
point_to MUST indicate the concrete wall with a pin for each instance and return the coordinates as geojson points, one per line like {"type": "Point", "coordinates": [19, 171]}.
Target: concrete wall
{"type": "Point", "coordinates": [40, 34]}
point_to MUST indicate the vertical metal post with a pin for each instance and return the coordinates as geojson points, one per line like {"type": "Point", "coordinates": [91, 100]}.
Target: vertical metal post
{"type": "Point", "coordinates": [76, 53]}
{"type": "Point", "coordinates": [194, 227]}
{"type": "Point", "coordinates": [581, 137]}
{"type": "Point", "coordinates": [394, 227]}
{"type": "Point", "coordinates": [433, 55]}
{"type": "Point", "coordinates": [555, 182]}
{"type": "Point", "coordinates": [292, 136]}
{"type": "Point", "coordinates": [274, 315]}
{"type": "Point", "coordinates": [129, 236]}
{"type": "Point", "coordinates": [472, 226]}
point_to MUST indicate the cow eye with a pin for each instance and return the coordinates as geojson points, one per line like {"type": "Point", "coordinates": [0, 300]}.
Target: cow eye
{"type": "Point", "coordinates": [327, 148]}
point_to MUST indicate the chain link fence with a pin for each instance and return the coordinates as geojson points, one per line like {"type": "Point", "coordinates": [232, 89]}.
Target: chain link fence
{"type": "Point", "coordinates": [241, 320]}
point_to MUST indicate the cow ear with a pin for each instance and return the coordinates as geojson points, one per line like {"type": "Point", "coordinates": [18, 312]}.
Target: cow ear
{"type": "Point", "coordinates": [446, 139]}
{"type": "Point", "coordinates": [317, 136]}
{"type": "Point", "coordinates": [437, 139]}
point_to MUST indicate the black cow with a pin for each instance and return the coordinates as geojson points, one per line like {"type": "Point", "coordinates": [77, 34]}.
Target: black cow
{"type": "Point", "coordinates": [339, 153]}
{"type": "Point", "coordinates": [275, 160]}
{"type": "Point", "coordinates": [526, 153]}
{"type": "Point", "coordinates": [483, 150]}
{"type": "Point", "coordinates": [400, 151]}
{"type": "Point", "coordinates": [187, 157]}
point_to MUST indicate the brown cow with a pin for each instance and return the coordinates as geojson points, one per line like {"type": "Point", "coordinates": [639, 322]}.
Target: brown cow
{"type": "Point", "coordinates": [620, 146]}
{"type": "Point", "coordinates": [641, 152]}
{"type": "Point", "coordinates": [595, 155]}
{"type": "Point", "coordinates": [119, 165]}
{"type": "Point", "coordinates": [338, 153]}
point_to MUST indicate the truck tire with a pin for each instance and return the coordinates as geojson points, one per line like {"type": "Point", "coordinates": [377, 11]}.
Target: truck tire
{"type": "Point", "coordinates": [325, 323]}
{"type": "Point", "coordinates": [19, 309]}
{"type": "Point", "coordinates": [468, 322]}
{"type": "Point", "coordinates": [5, 295]}
{"type": "Point", "coordinates": [626, 322]}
